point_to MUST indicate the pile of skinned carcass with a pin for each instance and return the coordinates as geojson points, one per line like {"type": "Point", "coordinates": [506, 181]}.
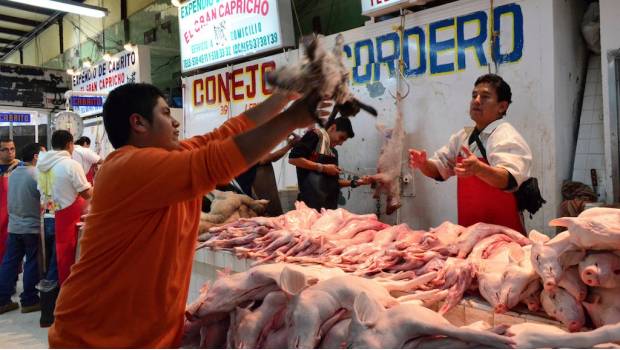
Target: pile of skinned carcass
{"type": "Point", "coordinates": [228, 206]}
{"type": "Point", "coordinates": [335, 279]}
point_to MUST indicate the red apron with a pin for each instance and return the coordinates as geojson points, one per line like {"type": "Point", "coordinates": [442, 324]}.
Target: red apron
{"type": "Point", "coordinates": [90, 175]}
{"type": "Point", "coordinates": [66, 236]}
{"type": "Point", "coordinates": [4, 214]}
{"type": "Point", "coordinates": [481, 202]}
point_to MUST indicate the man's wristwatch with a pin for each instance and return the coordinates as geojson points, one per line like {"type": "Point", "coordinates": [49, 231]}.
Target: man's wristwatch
{"type": "Point", "coordinates": [354, 183]}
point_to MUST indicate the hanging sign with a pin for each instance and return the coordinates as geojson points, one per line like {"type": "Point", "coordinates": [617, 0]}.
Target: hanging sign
{"type": "Point", "coordinates": [374, 8]}
{"type": "Point", "coordinates": [15, 118]}
{"type": "Point", "coordinates": [86, 101]}
{"type": "Point", "coordinates": [124, 67]}
{"type": "Point", "coordinates": [217, 31]}
{"type": "Point", "coordinates": [211, 98]}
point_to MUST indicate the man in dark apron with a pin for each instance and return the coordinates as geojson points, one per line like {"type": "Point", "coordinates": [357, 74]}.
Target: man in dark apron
{"type": "Point", "coordinates": [490, 160]}
{"type": "Point", "coordinates": [316, 160]}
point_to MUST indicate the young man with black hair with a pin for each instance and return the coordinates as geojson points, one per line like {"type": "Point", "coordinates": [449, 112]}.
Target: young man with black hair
{"type": "Point", "coordinates": [7, 164]}
{"type": "Point", "coordinates": [64, 192]}
{"type": "Point", "coordinates": [130, 287]}
{"type": "Point", "coordinates": [491, 159]}
{"type": "Point", "coordinates": [316, 160]}
{"type": "Point", "coordinates": [23, 239]}
{"type": "Point", "coordinates": [88, 159]}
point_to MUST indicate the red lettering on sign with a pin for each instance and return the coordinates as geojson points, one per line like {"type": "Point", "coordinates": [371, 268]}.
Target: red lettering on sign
{"type": "Point", "coordinates": [224, 87]}
{"type": "Point", "coordinates": [250, 90]}
{"type": "Point", "coordinates": [211, 82]}
{"type": "Point", "coordinates": [198, 88]}
{"type": "Point", "coordinates": [264, 8]}
{"type": "Point", "coordinates": [237, 84]}
{"type": "Point", "coordinates": [266, 67]}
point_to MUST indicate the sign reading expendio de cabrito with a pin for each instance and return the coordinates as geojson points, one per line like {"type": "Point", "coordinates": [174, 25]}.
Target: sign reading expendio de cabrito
{"type": "Point", "coordinates": [107, 75]}
{"type": "Point", "coordinates": [217, 31]}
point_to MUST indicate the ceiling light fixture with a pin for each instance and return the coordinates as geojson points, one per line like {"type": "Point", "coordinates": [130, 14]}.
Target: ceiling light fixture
{"type": "Point", "coordinates": [87, 63]}
{"type": "Point", "coordinates": [107, 57]}
{"type": "Point", "coordinates": [129, 46]}
{"type": "Point", "coordinates": [178, 3]}
{"type": "Point", "coordinates": [67, 6]}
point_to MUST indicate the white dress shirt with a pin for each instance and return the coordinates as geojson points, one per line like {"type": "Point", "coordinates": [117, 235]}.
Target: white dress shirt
{"type": "Point", "coordinates": [505, 148]}
{"type": "Point", "coordinates": [85, 156]}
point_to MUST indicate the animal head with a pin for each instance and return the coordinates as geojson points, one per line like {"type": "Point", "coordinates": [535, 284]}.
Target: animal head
{"type": "Point", "coordinates": [514, 281]}
{"type": "Point", "coordinates": [587, 225]}
{"type": "Point", "coordinates": [226, 285]}
{"type": "Point", "coordinates": [547, 264]}
{"type": "Point", "coordinates": [599, 268]}
{"type": "Point", "coordinates": [301, 314]}
{"type": "Point", "coordinates": [363, 331]}
{"type": "Point", "coordinates": [563, 306]}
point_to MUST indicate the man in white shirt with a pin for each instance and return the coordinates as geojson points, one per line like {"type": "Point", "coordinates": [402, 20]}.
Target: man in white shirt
{"type": "Point", "coordinates": [64, 191]}
{"type": "Point", "coordinates": [491, 160]}
{"type": "Point", "coordinates": [87, 158]}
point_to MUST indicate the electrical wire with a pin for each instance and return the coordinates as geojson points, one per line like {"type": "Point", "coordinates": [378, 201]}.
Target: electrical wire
{"type": "Point", "coordinates": [494, 35]}
{"type": "Point", "coordinates": [329, 19]}
{"type": "Point", "coordinates": [297, 19]}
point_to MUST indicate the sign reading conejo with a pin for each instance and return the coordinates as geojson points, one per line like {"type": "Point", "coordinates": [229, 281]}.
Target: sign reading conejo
{"type": "Point", "coordinates": [217, 31]}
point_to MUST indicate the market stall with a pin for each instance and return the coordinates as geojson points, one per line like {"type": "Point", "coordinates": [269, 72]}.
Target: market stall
{"type": "Point", "coordinates": [569, 279]}
{"type": "Point", "coordinates": [467, 274]}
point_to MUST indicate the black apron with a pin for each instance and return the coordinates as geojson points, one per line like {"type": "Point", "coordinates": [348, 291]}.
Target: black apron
{"type": "Point", "coordinates": [318, 189]}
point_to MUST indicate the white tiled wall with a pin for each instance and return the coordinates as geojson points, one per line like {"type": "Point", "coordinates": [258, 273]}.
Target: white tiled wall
{"type": "Point", "coordinates": [589, 153]}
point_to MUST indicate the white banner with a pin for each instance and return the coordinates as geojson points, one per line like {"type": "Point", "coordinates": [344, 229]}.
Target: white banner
{"type": "Point", "coordinates": [375, 8]}
{"type": "Point", "coordinates": [217, 31]}
{"type": "Point", "coordinates": [124, 67]}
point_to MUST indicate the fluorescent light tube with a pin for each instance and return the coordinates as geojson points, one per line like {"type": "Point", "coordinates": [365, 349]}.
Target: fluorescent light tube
{"type": "Point", "coordinates": [67, 6]}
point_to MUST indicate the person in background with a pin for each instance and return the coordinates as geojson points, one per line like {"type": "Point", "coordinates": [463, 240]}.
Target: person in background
{"type": "Point", "coordinates": [64, 190]}
{"type": "Point", "coordinates": [24, 230]}
{"type": "Point", "coordinates": [7, 164]}
{"type": "Point", "coordinates": [88, 159]}
{"type": "Point", "coordinates": [491, 160]}
{"type": "Point", "coordinates": [259, 181]}
{"type": "Point", "coordinates": [141, 232]}
{"type": "Point", "coordinates": [316, 160]}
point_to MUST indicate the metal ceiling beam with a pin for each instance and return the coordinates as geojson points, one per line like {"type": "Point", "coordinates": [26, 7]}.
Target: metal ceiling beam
{"type": "Point", "coordinates": [19, 20]}
{"type": "Point", "coordinates": [6, 41]}
{"type": "Point", "coordinates": [28, 8]}
{"type": "Point", "coordinates": [13, 31]}
{"type": "Point", "coordinates": [23, 41]}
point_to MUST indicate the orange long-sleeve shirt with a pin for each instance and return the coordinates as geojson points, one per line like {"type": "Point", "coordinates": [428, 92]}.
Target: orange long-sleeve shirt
{"type": "Point", "coordinates": [130, 286]}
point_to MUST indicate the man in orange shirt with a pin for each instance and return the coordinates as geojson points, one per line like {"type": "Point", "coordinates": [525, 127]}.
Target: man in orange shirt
{"type": "Point", "coordinates": [130, 285]}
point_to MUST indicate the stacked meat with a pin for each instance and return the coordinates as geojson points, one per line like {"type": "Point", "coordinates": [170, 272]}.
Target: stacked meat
{"type": "Point", "coordinates": [560, 276]}
{"type": "Point", "coordinates": [420, 261]}
{"type": "Point", "coordinates": [580, 268]}
{"type": "Point", "coordinates": [230, 206]}
{"type": "Point", "coordinates": [290, 306]}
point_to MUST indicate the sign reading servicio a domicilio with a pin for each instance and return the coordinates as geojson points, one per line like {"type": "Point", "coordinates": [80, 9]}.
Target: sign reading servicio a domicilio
{"type": "Point", "coordinates": [217, 31]}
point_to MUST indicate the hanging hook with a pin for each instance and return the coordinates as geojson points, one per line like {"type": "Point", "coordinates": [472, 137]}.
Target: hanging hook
{"type": "Point", "coordinates": [401, 75]}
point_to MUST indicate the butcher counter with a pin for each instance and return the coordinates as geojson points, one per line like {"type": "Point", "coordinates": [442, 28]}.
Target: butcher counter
{"type": "Point", "coordinates": [207, 263]}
